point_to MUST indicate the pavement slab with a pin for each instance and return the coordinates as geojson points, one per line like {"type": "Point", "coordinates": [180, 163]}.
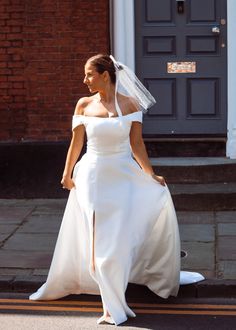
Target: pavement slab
{"type": "Point", "coordinates": [29, 229]}
{"type": "Point", "coordinates": [197, 232]}
{"type": "Point", "coordinates": [200, 217]}
{"type": "Point", "coordinates": [25, 259]}
{"type": "Point", "coordinates": [15, 271]}
{"type": "Point", "coordinates": [7, 229]}
{"type": "Point", "coordinates": [227, 247]}
{"type": "Point", "coordinates": [46, 224]}
{"type": "Point", "coordinates": [53, 203]}
{"type": "Point", "coordinates": [227, 269]}
{"type": "Point", "coordinates": [3, 237]}
{"type": "Point", "coordinates": [40, 272]}
{"type": "Point", "coordinates": [35, 242]}
{"type": "Point", "coordinates": [200, 255]}
{"type": "Point", "coordinates": [14, 215]}
{"type": "Point", "coordinates": [227, 229]}
{"type": "Point", "coordinates": [45, 218]}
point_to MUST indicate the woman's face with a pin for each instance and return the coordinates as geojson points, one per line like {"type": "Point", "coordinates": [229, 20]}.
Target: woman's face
{"type": "Point", "coordinates": [93, 79]}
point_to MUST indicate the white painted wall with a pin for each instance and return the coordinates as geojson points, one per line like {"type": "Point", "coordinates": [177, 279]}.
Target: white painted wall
{"type": "Point", "coordinates": [231, 142]}
{"type": "Point", "coordinates": [124, 51]}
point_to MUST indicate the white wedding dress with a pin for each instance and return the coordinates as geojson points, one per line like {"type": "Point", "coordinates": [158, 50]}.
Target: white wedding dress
{"type": "Point", "coordinates": [119, 225]}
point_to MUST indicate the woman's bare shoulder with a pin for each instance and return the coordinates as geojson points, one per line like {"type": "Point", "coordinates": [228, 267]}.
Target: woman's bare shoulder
{"type": "Point", "coordinates": [128, 103]}
{"type": "Point", "coordinates": [82, 103]}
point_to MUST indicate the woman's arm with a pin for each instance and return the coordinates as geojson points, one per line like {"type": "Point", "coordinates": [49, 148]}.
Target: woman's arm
{"type": "Point", "coordinates": [73, 153]}
{"type": "Point", "coordinates": [140, 153]}
{"type": "Point", "coordinates": [75, 148]}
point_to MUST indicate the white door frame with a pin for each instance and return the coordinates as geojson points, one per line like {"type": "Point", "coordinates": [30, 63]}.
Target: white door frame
{"type": "Point", "coordinates": [231, 44]}
{"type": "Point", "coordinates": [123, 31]}
{"type": "Point", "coordinates": [123, 48]}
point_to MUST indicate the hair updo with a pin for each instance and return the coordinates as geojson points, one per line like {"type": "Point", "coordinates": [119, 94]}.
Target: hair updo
{"type": "Point", "coordinates": [103, 63]}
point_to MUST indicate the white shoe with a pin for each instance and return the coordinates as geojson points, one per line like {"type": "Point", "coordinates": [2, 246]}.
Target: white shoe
{"type": "Point", "coordinates": [105, 319]}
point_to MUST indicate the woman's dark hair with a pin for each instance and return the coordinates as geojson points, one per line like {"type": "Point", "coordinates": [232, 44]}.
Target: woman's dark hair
{"type": "Point", "coordinates": [103, 63]}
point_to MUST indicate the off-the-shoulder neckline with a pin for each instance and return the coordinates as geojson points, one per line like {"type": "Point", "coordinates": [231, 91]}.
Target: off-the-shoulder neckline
{"type": "Point", "coordinates": [113, 117]}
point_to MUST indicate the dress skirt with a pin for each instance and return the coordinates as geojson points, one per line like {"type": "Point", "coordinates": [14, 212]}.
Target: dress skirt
{"type": "Point", "coordinates": [119, 225]}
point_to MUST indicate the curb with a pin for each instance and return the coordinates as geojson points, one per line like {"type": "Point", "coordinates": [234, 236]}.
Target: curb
{"type": "Point", "coordinates": [205, 289]}
{"type": "Point", "coordinates": [21, 283]}
{"type": "Point", "coordinates": [212, 288]}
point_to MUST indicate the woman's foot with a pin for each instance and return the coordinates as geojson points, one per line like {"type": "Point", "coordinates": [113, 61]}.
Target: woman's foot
{"type": "Point", "coordinates": [105, 319]}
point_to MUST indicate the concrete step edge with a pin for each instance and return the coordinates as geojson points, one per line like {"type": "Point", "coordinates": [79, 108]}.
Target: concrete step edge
{"type": "Point", "coordinates": [202, 188]}
{"type": "Point", "coordinates": [210, 288]}
{"type": "Point", "coordinates": [192, 161]}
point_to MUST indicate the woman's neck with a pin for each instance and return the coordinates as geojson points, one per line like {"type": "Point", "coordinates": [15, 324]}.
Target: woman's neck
{"type": "Point", "coordinates": [108, 94]}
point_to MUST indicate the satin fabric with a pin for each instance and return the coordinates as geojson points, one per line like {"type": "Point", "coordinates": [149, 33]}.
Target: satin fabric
{"type": "Point", "coordinates": [119, 225]}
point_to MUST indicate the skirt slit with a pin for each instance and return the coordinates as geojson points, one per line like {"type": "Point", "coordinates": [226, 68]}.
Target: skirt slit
{"type": "Point", "coordinates": [93, 244]}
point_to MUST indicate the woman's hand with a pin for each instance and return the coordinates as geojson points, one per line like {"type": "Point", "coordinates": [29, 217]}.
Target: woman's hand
{"type": "Point", "coordinates": [67, 183]}
{"type": "Point", "coordinates": [159, 179]}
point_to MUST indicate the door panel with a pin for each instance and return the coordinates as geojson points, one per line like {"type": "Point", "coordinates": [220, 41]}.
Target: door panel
{"type": "Point", "coordinates": [163, 15]}
{"type": "Point", "coordinates": [159, 45]}
{"type": "Point", "coordinates": [167, 96]}
{"type": "Point", "coordinates": [208, 104]}
{"type": "Point", "coordinates": [191, 97]}
{"type": "Point", "coordinates": [199, 45]}
{"type": "Point", "coordinates": [203, 11]}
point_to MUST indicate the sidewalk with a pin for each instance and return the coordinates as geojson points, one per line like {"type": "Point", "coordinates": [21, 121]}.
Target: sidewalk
{"type": "Point", "coordinates": [29, 228]}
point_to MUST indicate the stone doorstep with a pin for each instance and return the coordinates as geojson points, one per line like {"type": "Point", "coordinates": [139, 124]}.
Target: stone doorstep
{"type": "Point", "coordinates": [211, 288]}
{"type": "Point", "coordinates": [195, 169]}
{"type": "Point", "coordinates": [204, 197]}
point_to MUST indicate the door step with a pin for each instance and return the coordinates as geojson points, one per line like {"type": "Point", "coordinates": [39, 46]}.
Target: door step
{"type": "Point", "coordinates": [204, 197]}
{"type": "Point", "coordinates": [195, 169]}
{"type": "Point", "coordinates": [199, 183]}
{"type": "Point", "coordinates": [186, 147]}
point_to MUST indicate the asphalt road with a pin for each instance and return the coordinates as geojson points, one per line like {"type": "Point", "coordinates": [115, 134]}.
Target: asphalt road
{"type": "Point", "coordinates": [72, 313]}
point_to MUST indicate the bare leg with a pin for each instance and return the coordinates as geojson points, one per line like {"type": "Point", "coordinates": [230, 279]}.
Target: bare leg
{"type": "Point", "coordinates": [105, 312]}
{"type": "Point", "coordinates": [93, 246]}
{"type": "Point", "coordinates": [106, 317]}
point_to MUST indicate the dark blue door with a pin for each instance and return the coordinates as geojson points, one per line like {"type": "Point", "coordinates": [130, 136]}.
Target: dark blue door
{"type": "Point", "coordinates": [181, 56]}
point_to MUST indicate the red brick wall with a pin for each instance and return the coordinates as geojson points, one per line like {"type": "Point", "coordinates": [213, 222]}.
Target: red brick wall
{"type": "Point", "coordinates": [43, 47]}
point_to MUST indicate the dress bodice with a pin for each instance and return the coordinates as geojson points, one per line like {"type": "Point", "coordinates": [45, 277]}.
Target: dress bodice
{"type": "Point", "coordinates": [107, 136]}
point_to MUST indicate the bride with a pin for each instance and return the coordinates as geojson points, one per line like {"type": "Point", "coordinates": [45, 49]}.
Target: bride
{"type": "Point", "coordinates": [119, 223]}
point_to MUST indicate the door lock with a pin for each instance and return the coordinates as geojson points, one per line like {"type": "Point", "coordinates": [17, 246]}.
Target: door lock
{"type": "Point", "coordinates": [215, 30]}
